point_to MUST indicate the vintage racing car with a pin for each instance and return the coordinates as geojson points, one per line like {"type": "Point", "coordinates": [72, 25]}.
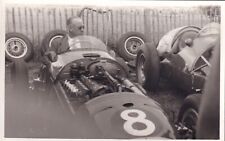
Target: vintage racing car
{"type": "Point", "coordinates": [198, 109]}
{"type": "Point", "coordinates": [187, 69]}
{"type": "Point", "coordinates": [87, 78]}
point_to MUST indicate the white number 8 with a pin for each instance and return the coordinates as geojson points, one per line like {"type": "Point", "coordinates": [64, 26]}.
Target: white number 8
{"type": "Point", "coordinates": [141, 118]}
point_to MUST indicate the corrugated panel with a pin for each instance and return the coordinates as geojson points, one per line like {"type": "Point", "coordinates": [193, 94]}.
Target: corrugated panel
{"type": "Point", "coordinates": [35, 22]}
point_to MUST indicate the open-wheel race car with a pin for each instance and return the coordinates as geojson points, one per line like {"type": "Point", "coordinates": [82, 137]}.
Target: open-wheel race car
{"type": "Point", "coordinates": [92, 84]}
{"type": "Point", "coordinates": [186, 67]}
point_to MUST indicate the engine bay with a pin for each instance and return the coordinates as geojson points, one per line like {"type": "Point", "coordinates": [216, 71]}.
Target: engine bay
{"type": "Point", "coordinates": [91, 77]}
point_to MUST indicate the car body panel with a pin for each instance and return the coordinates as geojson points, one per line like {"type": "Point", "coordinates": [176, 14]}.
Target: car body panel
{"type": "Point", "coordinates": [69, 57]}
{"type": "Point", "coordinates": [107, 111]}
{"type": "Point", "coordinates": [170, 39]}
{"type": "Point", "coordinates": [182, 68]}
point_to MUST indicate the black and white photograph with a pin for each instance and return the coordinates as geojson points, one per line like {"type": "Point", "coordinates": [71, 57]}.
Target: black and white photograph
{"type": "Point", "coordinates": [111, 71]}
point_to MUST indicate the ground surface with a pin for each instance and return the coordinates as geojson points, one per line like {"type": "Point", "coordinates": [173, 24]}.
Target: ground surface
{"type": "Point", "coordinates": [30, 114]}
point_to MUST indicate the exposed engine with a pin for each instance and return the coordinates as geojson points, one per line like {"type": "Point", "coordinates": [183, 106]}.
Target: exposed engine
{"type": "Point", "coordinates": [96, 78]}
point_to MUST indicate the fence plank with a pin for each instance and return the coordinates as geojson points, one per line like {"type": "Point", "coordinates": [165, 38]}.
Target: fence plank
{"type": "Point", "coordinates": [57, 20]}
{"type": "Point", "coordinates": [109, 14]}
{"type": "Point", "coordinates": [100, 24]}
{"type": "Point", "coordinates": [106, 28]}
{"type": "Point", "coordinates": [147, 24]}
{"type": "Point", "coordinates": [41, 24]}
{"type": "Point", "coordinates": [127, 23]}
{"type": "Point", "coordinates": [138, 20]}
{"type": "Point", "coordinates": [63, 18]}
{"type": "Point", "coordinates": [16, 19]}
{"type": "Point", "coordinates": [34, 26]}
{"type": "Point", "coordinates": [123, 19]}
{"type": "Point", "coordinates": [28, 24]}
{"type": "Point", "coordinates": [23, 21]}
{"type": "Point", "coordinates": [118, 23]}
{"type": "Point", "coordinates": [84, 16]}
{"type": "Point", "coordinates": [114, 25]}
{"type": "Point", "coordinates": [10, 20]}
{"type": "Point", "coordinates": [94, 25]}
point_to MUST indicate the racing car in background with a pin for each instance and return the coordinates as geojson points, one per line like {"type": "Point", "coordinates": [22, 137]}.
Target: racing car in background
{"type": "Point", "coordinates": [88, 76]}
{"type": "Point", "coordinates": [185, 66]}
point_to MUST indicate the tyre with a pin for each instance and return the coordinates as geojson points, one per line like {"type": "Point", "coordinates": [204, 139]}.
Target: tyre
{"type": "Point", "coordinates": [128, 44]}
{"type": "Point", "coordinates": [51, 37]}
{"type": "Point", "coordinates": [187, 33]}
{"type": "Point", "coordinates": [188, 115]}
{"type": "Point", "coordinates": [18, 47]}
{"type": "Point", "coordinates": [147, 67]}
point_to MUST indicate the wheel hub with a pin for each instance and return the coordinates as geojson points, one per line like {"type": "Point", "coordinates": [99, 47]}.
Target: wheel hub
{"type": "Point", "coordinates": [132, 44]}
{"type": "Point", "coordinates": [16, 47]}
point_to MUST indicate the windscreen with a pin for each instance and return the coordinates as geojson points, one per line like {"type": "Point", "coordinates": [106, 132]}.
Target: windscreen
{"type": "Point", "coordinates": [87, 42]}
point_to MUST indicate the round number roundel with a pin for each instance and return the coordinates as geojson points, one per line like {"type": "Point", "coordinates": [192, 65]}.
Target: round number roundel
{"type": "Point", "coordinates": [139, 118]}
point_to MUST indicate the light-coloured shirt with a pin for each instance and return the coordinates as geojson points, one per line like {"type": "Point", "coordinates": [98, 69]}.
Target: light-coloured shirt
{"type": "Point", "coordinates": [73, 43]}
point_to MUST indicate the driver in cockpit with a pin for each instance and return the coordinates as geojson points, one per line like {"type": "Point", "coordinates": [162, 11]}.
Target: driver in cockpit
{"type": "Point", "coordinates": [75, 27]}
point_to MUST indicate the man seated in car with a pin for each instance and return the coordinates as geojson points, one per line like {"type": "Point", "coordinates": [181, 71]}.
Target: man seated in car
{"type": "Point", "coordinates": [75, 27]}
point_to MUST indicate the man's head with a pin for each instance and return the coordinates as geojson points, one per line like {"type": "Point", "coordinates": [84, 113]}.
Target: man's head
{"type": "Point", "coordinates": [75, 26]}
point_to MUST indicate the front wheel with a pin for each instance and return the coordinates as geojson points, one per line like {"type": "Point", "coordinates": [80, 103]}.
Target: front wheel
{"type": "Point", "coordinates": [147, 67]}
{"type": "Point", "coordinates": [188, 116]}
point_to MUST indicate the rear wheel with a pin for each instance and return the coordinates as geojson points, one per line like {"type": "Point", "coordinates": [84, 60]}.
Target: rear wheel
{"type": "Point", "coordinates": [147, 67]}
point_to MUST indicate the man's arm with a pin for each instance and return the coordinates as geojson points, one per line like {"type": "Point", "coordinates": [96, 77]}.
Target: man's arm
{"type": "Point", "coordinates": [51, 52]}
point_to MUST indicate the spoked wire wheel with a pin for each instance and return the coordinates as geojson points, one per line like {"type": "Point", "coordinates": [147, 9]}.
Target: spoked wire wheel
{"type": "Point", "coordinates": [132, 44]}
{"type": "Point", "coordinates": [129, 44]}
{"type": "Point", "coordinates": [18, 46]}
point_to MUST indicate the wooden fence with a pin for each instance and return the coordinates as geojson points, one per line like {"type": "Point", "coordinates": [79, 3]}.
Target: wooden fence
{"type": "Point", "coordinates": [36, 21]}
